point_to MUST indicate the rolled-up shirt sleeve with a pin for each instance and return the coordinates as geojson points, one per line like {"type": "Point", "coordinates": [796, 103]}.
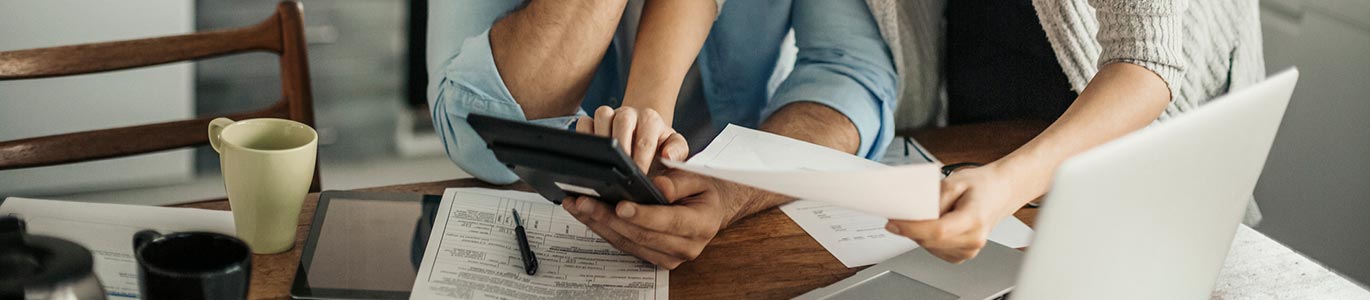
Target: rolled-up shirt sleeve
{"type": "Point", "coordinates": [842, 63]}
{"type": "Point", "coordinates": [463, 79]}
{"type": "Point", "coordinates": [1145, 33]}
{"type": "Point", "coordinates": [470, 85]}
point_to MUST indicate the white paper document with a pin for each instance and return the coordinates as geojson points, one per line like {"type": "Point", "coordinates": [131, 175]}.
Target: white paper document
{"type": "Point", "coordinates": [107, 231]}
{"type": "Point", "coordinates": [859, 239]}
{"type": "Point", "coordinates": [855, 237]}
{"type": "Point", "coordinates": [473, 254]}
{"type": "Point", "coordinates": [802, 170]}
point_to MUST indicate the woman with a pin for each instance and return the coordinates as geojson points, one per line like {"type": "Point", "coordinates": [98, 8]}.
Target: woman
{"type": "Point", "coordinates": [1098, 69]}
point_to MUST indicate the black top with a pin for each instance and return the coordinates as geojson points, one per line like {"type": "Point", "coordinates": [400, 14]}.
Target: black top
{"type": "Point", "coordinates": [1000, 65]}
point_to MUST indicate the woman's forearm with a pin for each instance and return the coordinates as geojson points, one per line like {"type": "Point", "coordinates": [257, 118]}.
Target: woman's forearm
{"type": "Point", "coordinates": [669, 37]}
{"type": "Point", "coordinates": [1121, 98]}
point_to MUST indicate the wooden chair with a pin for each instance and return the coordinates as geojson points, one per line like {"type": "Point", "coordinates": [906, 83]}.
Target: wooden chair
{"type": "Point", "coordinates": [282, 33]}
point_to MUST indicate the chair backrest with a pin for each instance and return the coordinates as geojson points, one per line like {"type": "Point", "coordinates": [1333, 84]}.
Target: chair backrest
{"type": "Point", "coordinates": [282, 33]}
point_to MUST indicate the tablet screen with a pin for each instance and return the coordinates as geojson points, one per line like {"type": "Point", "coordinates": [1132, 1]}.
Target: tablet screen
{"type": "Point", "coordinates": [369, 245]}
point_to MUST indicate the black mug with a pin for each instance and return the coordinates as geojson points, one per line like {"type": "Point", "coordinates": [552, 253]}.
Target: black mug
{"type": "Point", "coordinates": [192, 266]}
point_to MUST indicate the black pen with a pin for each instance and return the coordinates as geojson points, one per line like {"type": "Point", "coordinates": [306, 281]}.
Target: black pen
{"type": "Point", "coordinates": [530, 261]}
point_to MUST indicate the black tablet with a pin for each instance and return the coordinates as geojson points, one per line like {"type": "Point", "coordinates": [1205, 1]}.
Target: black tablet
{"type": "Point", "coordinates": [558, 163]}
{"type": "Point", "coordinates": [364, 245]}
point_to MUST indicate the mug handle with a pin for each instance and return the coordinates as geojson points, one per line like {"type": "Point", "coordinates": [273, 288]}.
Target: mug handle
{"type": "Point", "coordinates": [215, 128]}
{"type": "Point", "coordinates": [143, 237]}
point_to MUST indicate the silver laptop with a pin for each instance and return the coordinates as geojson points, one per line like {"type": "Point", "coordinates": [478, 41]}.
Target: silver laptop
{"type": "Point", "coordinates": [1148, 216]}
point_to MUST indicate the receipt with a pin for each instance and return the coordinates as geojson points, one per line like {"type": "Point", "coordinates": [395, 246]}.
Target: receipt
{"type": "Point", "coordinates": [472, 254]}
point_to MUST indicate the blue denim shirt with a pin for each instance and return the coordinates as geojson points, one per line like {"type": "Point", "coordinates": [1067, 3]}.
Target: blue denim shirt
{"type": "Point", "coordinates": [842, 62]}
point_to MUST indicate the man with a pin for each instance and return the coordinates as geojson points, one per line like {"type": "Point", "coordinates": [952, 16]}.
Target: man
{"type": "Point", "coordinates": [545, 60]}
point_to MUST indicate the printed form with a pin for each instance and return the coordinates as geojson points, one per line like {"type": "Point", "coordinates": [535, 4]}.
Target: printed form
{"type": "Point", "coordinates": [473, 254]}
{"type": "Point", "coordinates": [855, 238]}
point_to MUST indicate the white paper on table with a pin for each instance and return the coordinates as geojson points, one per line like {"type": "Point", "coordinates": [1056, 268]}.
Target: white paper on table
{"type": "Point", "coordinates": [855, 238]}
{"type": "Point", "coordinates": [107, 231]}
{"type": "Point", "coordinates": [859, 239]}
{"type": "Point", "coordinates": [472, 253]}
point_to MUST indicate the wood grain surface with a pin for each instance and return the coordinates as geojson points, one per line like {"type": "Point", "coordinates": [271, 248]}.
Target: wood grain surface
{"type": "Point", "coordinates": [765, 256]}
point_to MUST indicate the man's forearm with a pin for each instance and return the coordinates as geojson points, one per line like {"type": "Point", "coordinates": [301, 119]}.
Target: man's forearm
{"type": "Point", "coordinates": [809, 122]}
{"type": "Point", "coordinates": [815, 123]}
{"type": "Point", "coordinates": [547, 51]}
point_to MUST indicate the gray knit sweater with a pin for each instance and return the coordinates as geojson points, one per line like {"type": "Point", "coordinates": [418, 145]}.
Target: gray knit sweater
{"type": "Point", "coordinates": [1201, 49]}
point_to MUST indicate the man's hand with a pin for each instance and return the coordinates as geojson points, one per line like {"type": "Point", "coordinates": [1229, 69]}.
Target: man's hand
{"type": "Point", "coordinates": [665, 235]}
{"type": "Point", "coordinates": [668, 235]}
{"type": "Point", "coordinates": [641, 133]}
{"type": "Point", "coordinates": [973, 201]}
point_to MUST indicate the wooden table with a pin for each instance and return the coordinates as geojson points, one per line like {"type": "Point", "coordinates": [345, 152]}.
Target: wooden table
{"type": "Point", "coordinates": [765, 256]}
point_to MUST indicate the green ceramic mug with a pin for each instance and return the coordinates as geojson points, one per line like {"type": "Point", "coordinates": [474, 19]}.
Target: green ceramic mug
{"type": "Point", "coordinates": [268, 165]}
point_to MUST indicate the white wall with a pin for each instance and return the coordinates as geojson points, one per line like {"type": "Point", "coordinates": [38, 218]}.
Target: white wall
{"type": "Point", "coordinates": [30, 108]}
{"type": "Point", "coordinates": [1315, 191]}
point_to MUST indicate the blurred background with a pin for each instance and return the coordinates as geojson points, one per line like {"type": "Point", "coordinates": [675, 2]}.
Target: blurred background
{"type": "Point", "coordinates": [373, 123]}
{"type": "Point", "coordinates": [368, 83]}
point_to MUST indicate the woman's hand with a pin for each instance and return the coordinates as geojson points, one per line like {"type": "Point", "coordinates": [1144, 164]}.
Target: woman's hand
{"type": "Point", "coordinates": [973, 201]}
{"type": "Point", "coordinates": [1120, 99]}
{"type": "Point", "coordinates": [641, 133]}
